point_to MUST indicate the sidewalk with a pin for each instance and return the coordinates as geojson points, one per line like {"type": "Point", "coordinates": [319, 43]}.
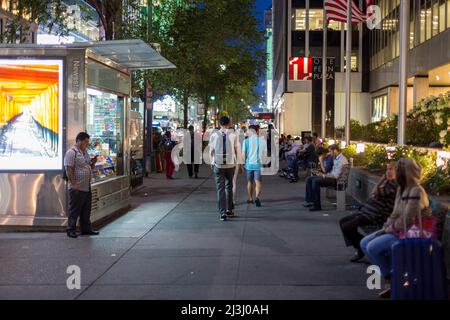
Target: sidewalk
{"type": "Point", "coordinates": [172, 245]}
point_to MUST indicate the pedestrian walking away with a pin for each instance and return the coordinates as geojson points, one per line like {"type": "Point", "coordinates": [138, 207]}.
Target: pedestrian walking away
{"type": "Point", "coordinates": [190, 146]}
{"type": "Point", "coordinates": [224, 153]}
{"type": "Point", "coordinates": [168, 144]}
{"type": "Point", "coordinates": [78, 166]}
{"type": "Point", "coordinates": [252, 153]}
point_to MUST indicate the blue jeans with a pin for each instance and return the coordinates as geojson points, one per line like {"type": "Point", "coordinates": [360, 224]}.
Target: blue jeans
{"type": "Point", "coordinates": [293, 165]}
{"type": "Point", "coordinates": [309, 197]}
{"type": "Point", "coordinates": [378, 250]}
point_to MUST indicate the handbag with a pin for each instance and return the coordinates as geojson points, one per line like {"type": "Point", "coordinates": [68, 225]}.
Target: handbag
{"type": "Point", "coordinates": [424, 226]}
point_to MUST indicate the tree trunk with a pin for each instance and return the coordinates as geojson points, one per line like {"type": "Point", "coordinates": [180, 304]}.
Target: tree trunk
{"type": "Point", "coordinates": [205, 115]}
{"type": "Point", "coordinates": [185, 109]}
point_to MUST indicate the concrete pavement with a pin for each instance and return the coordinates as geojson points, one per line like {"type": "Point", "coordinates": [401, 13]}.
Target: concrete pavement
{"type": "Point", "coordinates": [171, 245]}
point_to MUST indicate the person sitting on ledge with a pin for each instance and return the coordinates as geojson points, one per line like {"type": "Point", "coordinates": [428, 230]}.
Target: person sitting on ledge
{"type": "Point", "coordinates": [325, 180]}
{"type": "Point", "coordinates": [374, 212]}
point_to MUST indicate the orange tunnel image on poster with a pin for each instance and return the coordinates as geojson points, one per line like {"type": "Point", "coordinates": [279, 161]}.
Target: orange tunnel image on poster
{"type": "Point", "coordinates": [30, 113]}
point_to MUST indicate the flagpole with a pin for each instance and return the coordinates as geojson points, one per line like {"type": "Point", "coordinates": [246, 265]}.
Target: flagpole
{"type": "Point", "coordinates": [324, 75]}
{"type": "Point", "coordinates": [348, 75]}
{"type": "Point", "coordinates": [403, 61]}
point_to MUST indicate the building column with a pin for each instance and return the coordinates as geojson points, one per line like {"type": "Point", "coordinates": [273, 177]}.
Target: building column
{"type": "Point", "coordinates": [421, 87]}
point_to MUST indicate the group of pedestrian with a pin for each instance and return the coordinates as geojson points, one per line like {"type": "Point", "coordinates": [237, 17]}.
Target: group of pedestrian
{"type": "Point", "coordinates": [229, 157]}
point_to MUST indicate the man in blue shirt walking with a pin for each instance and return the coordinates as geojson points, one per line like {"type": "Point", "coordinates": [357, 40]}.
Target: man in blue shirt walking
{"type": "Point", "coordinates": [253, 150]}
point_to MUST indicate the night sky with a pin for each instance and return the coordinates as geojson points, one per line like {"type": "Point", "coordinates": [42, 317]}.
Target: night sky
{"type": "Point", "coordinates": [261, 5]}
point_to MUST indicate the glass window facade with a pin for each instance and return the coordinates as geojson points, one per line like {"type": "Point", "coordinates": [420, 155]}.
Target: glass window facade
{"type": "Point", "coordinates": [428, 19]}
{"type": "Point", "coordinates": [380, 108]}
{"type": "Point", "coordinates": [105, 125]}
{"type": "Point", "coordinates": [315, 20]}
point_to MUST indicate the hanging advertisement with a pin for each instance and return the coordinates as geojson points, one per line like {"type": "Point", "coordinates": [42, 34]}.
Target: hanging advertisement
{"type": "Point", "coordinates": [31, 115]}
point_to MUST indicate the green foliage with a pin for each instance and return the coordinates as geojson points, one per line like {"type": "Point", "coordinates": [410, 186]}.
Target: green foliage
{"type": "Point", "coordinates": [375, 158]}
{"type": "Point", "coordinates": [50, 14]}
{"type": "Point", "coordinates": [199, 40]}
{"type": "Point", "coordinates": [438, 181]}
{"type": "Point", "coordinates": [426, 125]}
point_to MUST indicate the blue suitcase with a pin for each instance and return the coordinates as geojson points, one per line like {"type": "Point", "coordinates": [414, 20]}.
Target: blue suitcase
{"type": "Point", "coordinates": [418, 270]}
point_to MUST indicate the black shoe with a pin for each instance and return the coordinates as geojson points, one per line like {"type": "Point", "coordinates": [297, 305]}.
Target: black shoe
{"type": "Point", "coordinates": [90, 233]}
{"type": "Point", "coordinates": [230, 214]}
{"type": "Point", "coordinates": [358, 256]}
{"type": "Point", "coordinates": [250, 201]}
{"type": "Point", "coordinates": [223, 217]}
{"type": "Point", "coordinates": [308, 205]}
{"type": "Point", "coordinates": [196, 176]}
{"type": "Point", "coordinates": [258, 202]}
{"type": "Point", "coordinates": [293, 181]}
{"type": "Point", "coordinates": [72, 234]}
{"type": "Point", "coordinates": [314, 209]}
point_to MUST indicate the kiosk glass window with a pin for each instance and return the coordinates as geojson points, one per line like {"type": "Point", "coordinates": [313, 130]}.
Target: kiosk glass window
{"type": "Point", "coordinates": [105, 125]}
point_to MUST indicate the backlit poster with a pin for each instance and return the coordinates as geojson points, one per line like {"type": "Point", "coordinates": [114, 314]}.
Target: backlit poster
{"type": "Point", "coordinates": [31, 115]}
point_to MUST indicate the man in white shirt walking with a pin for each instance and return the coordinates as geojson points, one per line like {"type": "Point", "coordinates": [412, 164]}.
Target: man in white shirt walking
{"type": "Point", "coordinates": [224, 153]}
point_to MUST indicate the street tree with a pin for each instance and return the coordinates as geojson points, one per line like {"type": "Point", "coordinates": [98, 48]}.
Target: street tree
{"type": "Point", "coordinates": [214, 45]}
{"type": "Point", "coordinates": [52, 15]}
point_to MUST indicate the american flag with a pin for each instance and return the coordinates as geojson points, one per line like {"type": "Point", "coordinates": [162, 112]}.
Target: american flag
{"type": "Point", "coordinates": [337, 10]}
{"type": "Point", "coordinates": [300, 68]}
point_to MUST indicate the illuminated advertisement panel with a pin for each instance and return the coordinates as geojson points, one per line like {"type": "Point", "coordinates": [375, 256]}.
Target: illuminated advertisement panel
{"type": "Point", "coordinates": [31, 115]}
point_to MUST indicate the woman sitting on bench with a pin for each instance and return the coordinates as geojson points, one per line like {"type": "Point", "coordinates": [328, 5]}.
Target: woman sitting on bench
{"type": "Point", "coordinates": [374, 212]}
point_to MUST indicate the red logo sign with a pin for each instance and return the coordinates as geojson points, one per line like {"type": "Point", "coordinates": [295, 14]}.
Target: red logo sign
{"type": "Point", "coordinates": [300, 68]}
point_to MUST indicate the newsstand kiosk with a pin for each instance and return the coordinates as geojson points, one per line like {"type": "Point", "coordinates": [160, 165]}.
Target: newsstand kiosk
{"type": "Point", "coordinates": [47, 95]}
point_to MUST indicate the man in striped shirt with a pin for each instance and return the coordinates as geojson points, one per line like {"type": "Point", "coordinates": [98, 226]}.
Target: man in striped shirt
{"type": "Point", "coordinates": [374, 212]}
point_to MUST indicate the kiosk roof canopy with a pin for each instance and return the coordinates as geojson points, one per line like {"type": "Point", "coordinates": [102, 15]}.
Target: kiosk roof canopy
{"type": "Point", "coordinates": [132, 54]}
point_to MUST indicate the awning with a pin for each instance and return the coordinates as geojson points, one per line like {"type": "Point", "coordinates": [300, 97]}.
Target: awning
{"type": "Point", "coordinates": [131, 54]}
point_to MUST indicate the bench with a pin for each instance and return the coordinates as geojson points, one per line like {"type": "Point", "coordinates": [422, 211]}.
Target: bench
{"type": "Point", "coordinates": [341, 187]}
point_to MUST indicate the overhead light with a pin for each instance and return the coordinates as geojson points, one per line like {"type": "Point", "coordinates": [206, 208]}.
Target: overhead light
{"type": "Point", "coordinates": [438, 78]}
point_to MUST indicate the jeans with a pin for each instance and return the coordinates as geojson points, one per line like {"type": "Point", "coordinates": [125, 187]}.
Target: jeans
{"type": "Point", "coordinates": [293, 165]}
{"type": "Point", "coordinates": [378, 250]}
{"type": "Point", "coordinates": [79, 206]}
{"type": "Point", "coordinates": [224, 186]}
{"type": "Point", "coordinates": [349, 226]}
{"type": "Point", "coordinates": [309, 195]}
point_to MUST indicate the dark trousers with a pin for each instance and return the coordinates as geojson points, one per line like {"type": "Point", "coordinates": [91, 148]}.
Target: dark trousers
{"type": "Point", "coordinates": [349, 226]}
{"type": "Point", "coordinates": [315, 186]}
{"type": "Point", "coordinates": [192, 168]}
{"type": "Point", "coordinates": [224, 186]}
{"type": "Point", "coordinates": [79, 206]}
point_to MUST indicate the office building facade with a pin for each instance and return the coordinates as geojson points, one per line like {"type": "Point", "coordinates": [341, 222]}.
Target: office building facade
{"type": "Point", "coordinates": [374, 62]}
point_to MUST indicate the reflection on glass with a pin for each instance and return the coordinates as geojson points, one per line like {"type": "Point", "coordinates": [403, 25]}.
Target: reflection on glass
{"type": "Point", "coordinates": [105, 126]}
{"type": "Point", "coordinates": [379, 108]}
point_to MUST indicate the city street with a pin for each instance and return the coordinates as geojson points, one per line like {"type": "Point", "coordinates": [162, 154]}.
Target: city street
{"type": "Point", "coordinates": [172, 245]}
